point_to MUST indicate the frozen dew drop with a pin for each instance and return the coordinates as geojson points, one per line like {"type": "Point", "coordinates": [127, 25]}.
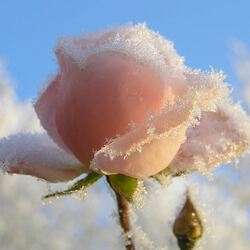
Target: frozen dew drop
{"type": "Point", "coordinates": [80, 195]}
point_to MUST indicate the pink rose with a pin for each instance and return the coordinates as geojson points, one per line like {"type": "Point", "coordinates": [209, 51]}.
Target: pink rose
{"type": "Point", "coordinates": [123, 102]}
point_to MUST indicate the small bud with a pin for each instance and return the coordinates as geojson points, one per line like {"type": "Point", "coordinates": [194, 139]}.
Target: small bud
{"type": "Point", "coordinates": [187, 226]}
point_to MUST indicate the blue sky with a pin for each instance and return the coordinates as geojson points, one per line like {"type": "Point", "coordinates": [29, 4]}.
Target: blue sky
{"type": "Point", "coordinates": [201, 30]}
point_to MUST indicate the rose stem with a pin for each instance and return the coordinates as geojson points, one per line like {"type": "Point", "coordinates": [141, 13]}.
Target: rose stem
{"type": "Point", "coordinates": [123, 211]}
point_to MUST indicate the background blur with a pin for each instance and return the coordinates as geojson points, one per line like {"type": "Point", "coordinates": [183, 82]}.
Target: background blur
{"type": "Point", "coordinates": [208, 34]}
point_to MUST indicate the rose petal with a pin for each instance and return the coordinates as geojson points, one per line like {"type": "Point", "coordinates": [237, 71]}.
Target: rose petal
{"type": "Point", "coordinates": [37, 155]}
{"type": "Point", "coordinates": [99, 101]}
{"type": "Point", "coordinates": [219, 138]}
{"type": "Point", "coordinates": [45, 108]}
{"type": "Point", "coordinates": [168, 131]}
{"type": "Point", "coordinates": [148, 149]}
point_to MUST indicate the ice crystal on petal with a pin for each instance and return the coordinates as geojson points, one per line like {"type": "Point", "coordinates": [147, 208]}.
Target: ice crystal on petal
{"type": "Point", "coordinates": [221, 136]}
{"type": "Point", "coordinates": [34, 149]}
{"type": "Point", "coordinates": [157, 127]}
{"type": "Point", "coordinates": [137, 41]}
{"type": "Point", "coordinates": [37, 155]}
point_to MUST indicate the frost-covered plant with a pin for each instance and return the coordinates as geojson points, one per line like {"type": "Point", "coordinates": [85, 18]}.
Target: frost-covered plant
{"type": "Point", "coordinates": [123, 105]}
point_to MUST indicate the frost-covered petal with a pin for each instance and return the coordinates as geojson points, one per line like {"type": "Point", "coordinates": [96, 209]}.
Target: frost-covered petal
{"type": "Point", "coordinates": [39, 156]}
{"type": "Point", "coordinates": [101, 100]}
{"type": "Point", "coordinates": [136, 41]}
{"type": "Point", "coordinates": [152, 146]}
{"type": "Point", "coordinates": [146, 150]}
{"type": "Point", "coordinates": [220, 137]}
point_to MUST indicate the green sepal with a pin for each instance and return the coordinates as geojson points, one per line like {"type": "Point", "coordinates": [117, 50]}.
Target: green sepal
{"type": "Point", "coordinates": [80, 185]}
{"type": "Point", "coordinates": [124, 185]}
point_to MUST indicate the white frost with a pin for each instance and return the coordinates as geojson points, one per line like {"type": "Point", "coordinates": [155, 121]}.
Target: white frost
{"type": "Point", "coordinates": [137, 41]}
{"type": "Point", "coordinates": [37, 150]}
